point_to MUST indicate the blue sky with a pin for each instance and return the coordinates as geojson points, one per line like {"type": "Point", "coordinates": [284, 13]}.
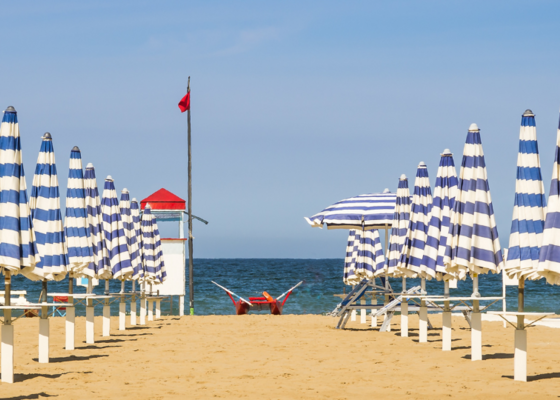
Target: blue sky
{"type": "Point", "coordinates": [295, 105]}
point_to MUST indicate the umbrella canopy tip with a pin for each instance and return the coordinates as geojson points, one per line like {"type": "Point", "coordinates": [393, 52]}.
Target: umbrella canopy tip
{"type": "Point", "coordinates": [528, 113]}
{"type": "Point", "coordinates": [446, 152]}
{"type": "Point", "coordinates": [47, 136]}
{"type": "Point", "coordinates": [386, 191]}
{"type": "Point", "coordinates": [90, 165]}
{"type": "Point", "coordinates": [109, 178]}
{"type": "Point", "coordinates": [422, 164]}
{"type": "Point", "coordinates": [403, 177]}
{"type": "Point", "coordinates": [125, 190]}
{"type": "Point", "coordinates": [473, 127]}
{"type": "Point", "coordinates": [75, 148]}
{"type": "Point", "coordinates": [134, 199]}
{"type": "Point", "coordinates": [10, 109]}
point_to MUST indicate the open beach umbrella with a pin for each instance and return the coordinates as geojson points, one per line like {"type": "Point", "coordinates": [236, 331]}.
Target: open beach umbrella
{"type": "Point", "coordinates": [367, 211]}
{"type": "Point", "coordinates": [115, 239]}
{"type": "Point", "coordinates": [401, 217]}
{"type": "Point", "coordinates": [438, 229]}
{"type": "Point", "coordinates": [152, 255]}
{"type": "Point", "coordinates": [527, 223]}
{"type": "Point", "coordinates": [413, 249]}
{"type": "Point", "coordinates": [76, 229]}
{"type": "Point", "coordinates": [47, 217]}
{"type": "Point", "coordinates": [18, 250]}
{"type": "Point", "coordinates": [130, 233]}
{"type": "Point", "coordinates": [549, 258]}
{"type": "Point", "coordinates": [99, 267]}
{"type": "Point", "coordinates": [473, 245]}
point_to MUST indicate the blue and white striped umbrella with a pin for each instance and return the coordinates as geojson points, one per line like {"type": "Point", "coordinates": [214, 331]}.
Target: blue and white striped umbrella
{"type": "Point", "coordinates": [370, 255]}
{"type": "Point", "coordinates": [549, 258]}
{"type": "Point", "coordinates": [100, 267]}
{"type": "Point", "coordinates": [349, 276]}
{"type": "Point", "coordinates": [438, 229]}
{"type": "Point", "coordinates": [130, 233]}
{"type": "Point", "coordinates": [399, 228]}
{"type": "Point", "coordinates": [135, 211]}
{"type": "Point", "coordinates": [113, 229]}
{"type": "Point", "coordinates": [527, 223]}
{"type": "Point", "coordinates": [413, 249]}
{"type": "Point", "coordinates": [76, 229]}
{"type": "Point", "coordinates": [47, 217]}
{"type": "Point", "coordinates": [18, 250]}
{"type": "Point", "coordinates": [367, 211]}
{"type": "Point", "coordinates": [473, 245]}
{"type": "Point", "coordinates": [152, 255]}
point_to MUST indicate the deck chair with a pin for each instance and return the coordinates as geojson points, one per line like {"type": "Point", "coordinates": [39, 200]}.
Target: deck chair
{"type": "Point", "coordinates": [61, 311]}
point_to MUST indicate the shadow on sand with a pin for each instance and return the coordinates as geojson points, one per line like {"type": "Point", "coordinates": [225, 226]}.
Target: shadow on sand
{"type": "Point", "coordinates": [551, 375]}
{"type": "Point", "coordinates": [73, 358]}
{"type": "Point", "coordinates": [31, 396]}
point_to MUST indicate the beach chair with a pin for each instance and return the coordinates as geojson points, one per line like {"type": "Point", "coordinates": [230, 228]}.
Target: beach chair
{"type": "Point", "coordinates": [61, 311]}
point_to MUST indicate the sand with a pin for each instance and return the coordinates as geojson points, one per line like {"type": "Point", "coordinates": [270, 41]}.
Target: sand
{"type": "Point", "coordinates": [278, 357]}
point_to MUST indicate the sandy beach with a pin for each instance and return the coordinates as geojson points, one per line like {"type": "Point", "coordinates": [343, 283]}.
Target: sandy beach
{"type": "Point", "coordinates": [286, 357]}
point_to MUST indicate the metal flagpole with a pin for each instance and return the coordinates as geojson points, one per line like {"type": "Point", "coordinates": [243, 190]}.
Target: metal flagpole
{"type": "Point", "coordinates": [190, 238]}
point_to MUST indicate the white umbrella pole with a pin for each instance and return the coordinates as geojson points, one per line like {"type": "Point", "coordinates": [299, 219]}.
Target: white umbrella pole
{"type": "Point", "coordinates": [446, 320]}
{"type": "Point", "coordinates": [386, 275]}
{"type": "Point", "coordinates": [7, 349]}
{"type": "Point", "coordinates": [404, 310]}
{"type": "Point", "coordinates": [520, 353]}
{"type": "Point", "coordinates": [122, 309]}
{"type": "Point", "coordinates": [70, 315]}
{"type": "Point", "coordinates": [106, 312]}
{"type": "Point", "coordinates": [423, 315]}
{"type": "Point", "coordinates": [133, 305]}
{"type": "Point", "coordinates": [143, 304]}
{"type": "Point", "coordinates": [476, 324]}
{"type": "Point", "coordinates": [150, 306]}
{"type": "Point", "coordinates": [90, 312]}
{"type": "Point", "coordinates": [44, 329]}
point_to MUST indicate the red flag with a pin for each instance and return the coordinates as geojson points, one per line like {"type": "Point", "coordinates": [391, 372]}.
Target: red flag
{"type": "Point", "coordinates": [185, 103]}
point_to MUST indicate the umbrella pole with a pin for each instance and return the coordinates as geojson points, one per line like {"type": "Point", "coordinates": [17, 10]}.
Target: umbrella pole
{"type": "Point", "coordinates": [520, 352]}
{"type": "Point", "coordinates": [133, 305]}
{"type": "Point", "coordinates": [404, 310]}
{"type": "Point", "coordinates": [7, 349]}
{"type": "Point", "coordinates": [44, 326]}
{"type": "Point", "coordinates": [446, 320]}
{"type": "Point", "coordinates": [70, 315]}
{"type": "Point", "coordinates": [150, 306]}
{"type": "Point", "coordinates": [90, 312]}
{"type": "Point", "coordinates": [106, 312]}
{"type": "Point", "coordinates": [476, 323]}
{"type": "Point", "coordinates": [423, 314]}
{"type": "Point", "coordinates": [122, 309]}
{"type": "Point", "coordinates": [387, 275]}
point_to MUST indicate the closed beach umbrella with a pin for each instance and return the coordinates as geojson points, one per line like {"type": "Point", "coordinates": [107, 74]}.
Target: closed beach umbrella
{"type": "Point", "coordinates": [152, 256]}
{"type": "Point", "coordinates": [549, 259]}
{"type": "Point", "coordinates": [47, 217]}
{"type": "Point", "coordinates": [438, 230]}
{"type": "Point", "coordinates": [413, 249]}
{"type": "Point", "coordinates": [401, 218]}
{"type": "Point", "coordinates": [349, 276]}
{"type": "Point", "coordinates": [115, 239]}
{"type": "Point", "coordinates": [130, 233]}
{"type": "Point", "coordinates": [527, 223]}
{"type": "Point", "coordinates": [76, 229]}
{"type": "Point", "coordinates": [473, 245]}
{"type": "Point", "coordinates": [18, 250]}
{"type": "Point", "coordinates": [368, 211]}
{"type": "Point", "coordinates": [99, 267]}
{"type": "Point", "coordinates": [135, 212]}
{"type": "Point", "coordinates": [370, 255]}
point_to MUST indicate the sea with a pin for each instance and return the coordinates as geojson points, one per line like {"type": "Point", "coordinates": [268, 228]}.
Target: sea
{"type": "Point", "coordinates": [322, 279]}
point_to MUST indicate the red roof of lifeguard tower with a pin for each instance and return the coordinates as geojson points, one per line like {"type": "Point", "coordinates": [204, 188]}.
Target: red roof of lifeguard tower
{"type": "Point", "coordinates": [164, 200]}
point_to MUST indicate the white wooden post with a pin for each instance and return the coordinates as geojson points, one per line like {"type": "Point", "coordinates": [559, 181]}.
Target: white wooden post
{"type": "Point", "coordinates": [158, 308]}
{"type": "Point", "coordinates": [363, 312]}
{"type": "Point", "coordinates": [133, 310]}
{"type": "Point", "coordinates": [353, 316]}
{"type": "Point", "coordinates": [70, 325]}
{"type": "Point", "coordinates": [106, 318]}
{"type": "Point", "coordinates": [181, 305]}
{"type": "Point", "coordinates": [373, 311]}
{"type": "Point", "coordinates": [122, 314]}
{"type": "Point", "coordinates": [520, 356]}
{"type": "Point", "coordinates": [90, 312]}
{"type": "Point", "coordinates": [404, 310]}
{"type": "Point", "coordinates": [476, 332]}
{"type": "Point", "coordinates": [150, 310]}
{"type": "Point", "coordinates": [446, 321]}
{"type": "Point", "coordinates": [143, 310]}
{"type": "Point", "coordinates": [44, 335]}
{"type": "Point", "coordinates": [423, 324]}
{"type": "Point", "coordinates": [7, 350]}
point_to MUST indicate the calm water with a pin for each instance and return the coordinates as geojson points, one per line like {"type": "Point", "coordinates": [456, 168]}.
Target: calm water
{"type": "Point", "coordinates": [321, 279]}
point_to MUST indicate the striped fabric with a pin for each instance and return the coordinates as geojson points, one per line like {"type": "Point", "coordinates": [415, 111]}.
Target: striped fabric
{"type": "Point", "coordinates": [76, 229]}
{"type": "Point", "coordinates": [473, 245]}
{"type": "Point", "coordinates": [130, 233]}
{"type": "Point", "coordinates": [135, 211]}
{"type": "Point", "coordinates": [113, 230]}
{"type": "Point", "coordinates": [438, 229]}
{"type": "Point", "coordinates": [47, 217]}
{"type": "Point", "coordinates": [549, 257]}
{"type": "Point", "coordinates": [349, 276]}
{"type": "Point", "coordinates": [100, 267]}
{"type": "Point", "coordinates": [152, 255]}
{"type": "Point", "coordinates": [399, 228]}
{"type": "Point", "coordinates": [18, 250]}
{"type": "Point", "coordinates": [527, 223]}
{"type": "Point", "coordinates": [368, 211]}
{"type": "Point", "coordinates": [415, 240]}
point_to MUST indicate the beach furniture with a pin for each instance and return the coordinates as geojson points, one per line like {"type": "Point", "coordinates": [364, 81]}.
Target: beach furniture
{"type": "Point", "coordinates": [44, 204]}
{"type": "Point", "coordinates": [473, 246]}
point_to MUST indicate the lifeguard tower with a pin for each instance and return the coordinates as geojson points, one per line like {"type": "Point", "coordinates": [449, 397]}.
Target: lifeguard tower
{"type": "Point", "coordinates": [168, 207]}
